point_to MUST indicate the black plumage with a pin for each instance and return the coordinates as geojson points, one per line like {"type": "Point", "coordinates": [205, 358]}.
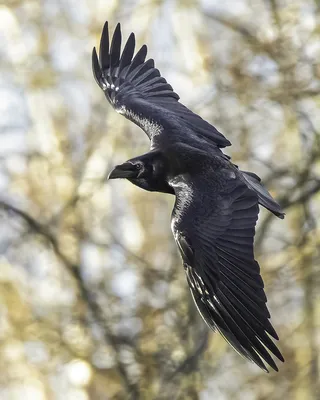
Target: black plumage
{"type": "Point", "coordinates": [216, 207]}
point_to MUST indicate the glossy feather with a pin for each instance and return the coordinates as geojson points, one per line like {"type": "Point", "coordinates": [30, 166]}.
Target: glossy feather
{"type": "Point", "coordinates": [223, 276]}
{"type": "Point", "coordinates": [136, 86]}
{"type": "Point", "coordinates": [216, 208]}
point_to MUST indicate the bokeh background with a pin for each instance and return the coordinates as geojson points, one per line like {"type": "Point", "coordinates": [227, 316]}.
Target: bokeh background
{"type": "Point", "coordinates": [93, 299]}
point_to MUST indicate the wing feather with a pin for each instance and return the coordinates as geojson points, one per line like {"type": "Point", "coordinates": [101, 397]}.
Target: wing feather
{"type": "Point", "coordinates": [127, 53]}
{"type": "Point", "coordinates": [215, 233]}
{"type": "Point", "coordinates": [134, 87]}
{"type": "Point", "coordinates": [137, 61]}
{"type": "Point", "coordinates": [104, 55]}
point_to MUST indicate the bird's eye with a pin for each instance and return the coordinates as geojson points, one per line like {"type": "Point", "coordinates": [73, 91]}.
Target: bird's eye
{"type": "Point", "coordinates": [139, 166]}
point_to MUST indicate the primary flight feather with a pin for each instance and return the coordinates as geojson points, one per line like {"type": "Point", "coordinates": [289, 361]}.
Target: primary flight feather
{"type": "Point", "coordinates": [216, 207]}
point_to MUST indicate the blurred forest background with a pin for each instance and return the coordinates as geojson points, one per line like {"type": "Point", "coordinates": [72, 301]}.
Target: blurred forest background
{"type": "Point", "coordinates": [93, 299]}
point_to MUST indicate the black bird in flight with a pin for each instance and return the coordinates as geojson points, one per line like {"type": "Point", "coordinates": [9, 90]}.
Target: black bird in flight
{"type": "Point", "coordinates": [216, 206]}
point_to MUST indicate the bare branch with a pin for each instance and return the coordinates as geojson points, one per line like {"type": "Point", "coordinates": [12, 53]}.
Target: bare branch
{"type": "Point", "coordinates": [86, 295]}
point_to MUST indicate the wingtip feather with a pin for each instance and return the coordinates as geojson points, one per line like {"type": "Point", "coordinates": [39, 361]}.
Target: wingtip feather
{"type": "Point", "coordinates": [104, 47]}
{"type": "Point", "coordinates": [115, 48]}
{"type": "Point", "coordinates": [96, 68]}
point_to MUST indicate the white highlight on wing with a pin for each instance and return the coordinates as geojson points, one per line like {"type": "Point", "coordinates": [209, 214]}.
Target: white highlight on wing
{"type": "Point", "coordinates": [148, 125]}
{"type": "Point", "coordinates": [184, 194]}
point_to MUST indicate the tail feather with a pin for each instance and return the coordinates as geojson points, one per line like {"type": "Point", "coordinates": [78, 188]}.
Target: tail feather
{"type": "Point", "coordinates": [265, 198]}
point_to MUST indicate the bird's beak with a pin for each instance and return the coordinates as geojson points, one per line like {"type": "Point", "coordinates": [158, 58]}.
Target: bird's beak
{"type": "Point", "coordinates": [125, 170]}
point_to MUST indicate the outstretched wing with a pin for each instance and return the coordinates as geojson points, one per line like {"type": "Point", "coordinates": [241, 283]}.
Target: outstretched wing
{"type": "Point", "coordinates": [135, 88]}
{"type": "Point", "coordinates": [214, 225]}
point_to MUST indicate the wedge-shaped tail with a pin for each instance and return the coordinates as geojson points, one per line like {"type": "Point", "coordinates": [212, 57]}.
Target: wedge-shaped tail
{"type": "Point", "coordinates": [264, 197]}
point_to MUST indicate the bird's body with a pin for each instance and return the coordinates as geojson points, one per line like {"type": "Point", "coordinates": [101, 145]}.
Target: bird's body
{"type": "Point", "coordinates": [216, 207]}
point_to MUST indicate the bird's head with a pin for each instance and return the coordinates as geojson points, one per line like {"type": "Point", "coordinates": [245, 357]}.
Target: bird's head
{"type": "Point", "coordinates": [147, 166]}
{"type": "Point", "coordinates": [132, 169]}
{"type": "Point", "coordinates": [147, 171]}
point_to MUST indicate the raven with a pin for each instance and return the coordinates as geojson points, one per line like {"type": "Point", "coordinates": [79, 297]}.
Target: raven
{"type": "Point", "coordinates": [216, 205]}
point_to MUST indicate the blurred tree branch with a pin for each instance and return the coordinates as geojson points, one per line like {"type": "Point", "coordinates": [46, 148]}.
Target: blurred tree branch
{"type": "Point", "coordinates": [86, 295]}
